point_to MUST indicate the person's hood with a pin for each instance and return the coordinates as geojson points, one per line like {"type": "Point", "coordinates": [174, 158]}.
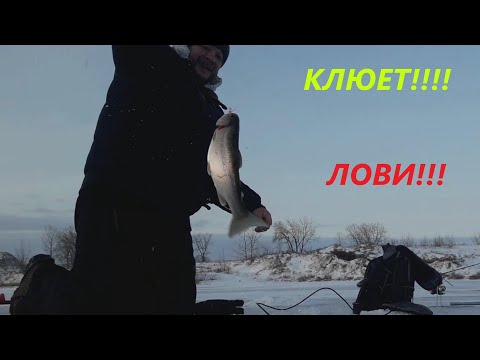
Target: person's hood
{"type": "Point", "coordinates": [184, 51]}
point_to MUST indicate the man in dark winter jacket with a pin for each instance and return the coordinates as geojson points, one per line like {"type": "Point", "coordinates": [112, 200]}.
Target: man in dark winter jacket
{"type": "Point", "coordinates": [145, 175]}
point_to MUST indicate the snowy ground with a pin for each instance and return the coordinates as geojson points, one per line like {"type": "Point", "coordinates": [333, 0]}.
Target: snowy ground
{"type": "Point", "coordinates": [286, 279]}
{"type": "Point", "coordinates": [325, 302]}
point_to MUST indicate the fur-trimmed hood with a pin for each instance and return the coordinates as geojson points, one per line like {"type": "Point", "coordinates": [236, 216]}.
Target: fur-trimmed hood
{"type": "Point", "coordinates": [184, 51]}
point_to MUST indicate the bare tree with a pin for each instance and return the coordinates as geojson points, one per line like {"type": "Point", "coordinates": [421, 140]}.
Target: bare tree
{"type": "Point", "coordinates": [340, 239]}
{"type": "Point", "coordinates": [246, 245]}
{"type": "Point", "coordinates": [295, 234]}
{"type": "Point", "coordinates": [50, 241]}
{"type": "Point", "coordinates": [365, 234]}
{"type": "Point", "coordinates": [425, 242]}
{"type": "Point", "coordinates": [23, 255]}
{"type": "Point", "coordinates": [407, 240]}
{"type": "Point", "coordinates": [66, 246]}
{"type": "Point", "coordinates": [201, 243]}
{"type": "Point", "coordinates": [443, 241]}
{"type": "Point", "coordinates": [60, 244]}
{"type": "Point", "coordinates": [476, 238]}
{"type": "Point", "coordinates": [223, 263]}
{"type": "Point", "coordinates": [264, 248]}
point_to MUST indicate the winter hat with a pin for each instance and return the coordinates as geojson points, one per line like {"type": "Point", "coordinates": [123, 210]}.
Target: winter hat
{"type": "Point", "coordinates": [225, 49]}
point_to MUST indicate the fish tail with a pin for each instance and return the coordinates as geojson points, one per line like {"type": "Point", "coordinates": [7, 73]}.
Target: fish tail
{"type": "Point", "coordinates": [241, 224]}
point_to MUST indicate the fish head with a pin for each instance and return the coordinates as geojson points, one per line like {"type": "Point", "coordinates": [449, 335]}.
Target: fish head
{"type": "Point", "coordinates": [229, 119]}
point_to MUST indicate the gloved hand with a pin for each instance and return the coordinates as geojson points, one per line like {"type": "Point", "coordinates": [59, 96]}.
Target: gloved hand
{"type": "Point", "coordinates": [440, 290]}
{"type": "Point", "coordinates": [219, 307]}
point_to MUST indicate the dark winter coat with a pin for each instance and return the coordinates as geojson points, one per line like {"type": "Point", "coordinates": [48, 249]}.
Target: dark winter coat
{"type": "Point", "coordinates": [151, 141]}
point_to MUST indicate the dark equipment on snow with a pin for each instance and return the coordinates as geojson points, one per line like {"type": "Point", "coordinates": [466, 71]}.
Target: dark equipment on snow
{"type": "Point", "coordinates": [3, 301]}
{"type": "Point", "coordinates": [390, 279]}
{"type": "Point", "coordinates": [463, 303]}
{"type": "Point", "coordinates": [219, 307]}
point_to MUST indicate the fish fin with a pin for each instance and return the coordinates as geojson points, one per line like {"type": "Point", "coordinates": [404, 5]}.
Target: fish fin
{"type": "Point", "coordinates": [208, 169]}
{"type": "Point", "coordinates": [239, 225]}
{"type": "Point", "coordinates": [222, 200]}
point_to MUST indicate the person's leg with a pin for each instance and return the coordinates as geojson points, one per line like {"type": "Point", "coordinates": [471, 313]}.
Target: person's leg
{"type": "Point", "coordinates": [47, 288]}
{"type": "Point", "coordinates": [93, 272]}
{"type": "Point", "coordinates": [174, 258]}
{"type": "Point", "coordinates": [182, 274]}
{"type": "Point", "coordinates": [146, 267]}
{"type": "Point", "coordinates": [188, 290]}
{"type": "Point", "coordinates": [158, 276]}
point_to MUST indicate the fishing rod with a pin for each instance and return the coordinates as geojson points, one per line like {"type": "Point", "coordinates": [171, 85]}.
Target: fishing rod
{"type": "Point", "coordinates": [442, 290]}
{"type": "Point", "coordinates": [460, 268]}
